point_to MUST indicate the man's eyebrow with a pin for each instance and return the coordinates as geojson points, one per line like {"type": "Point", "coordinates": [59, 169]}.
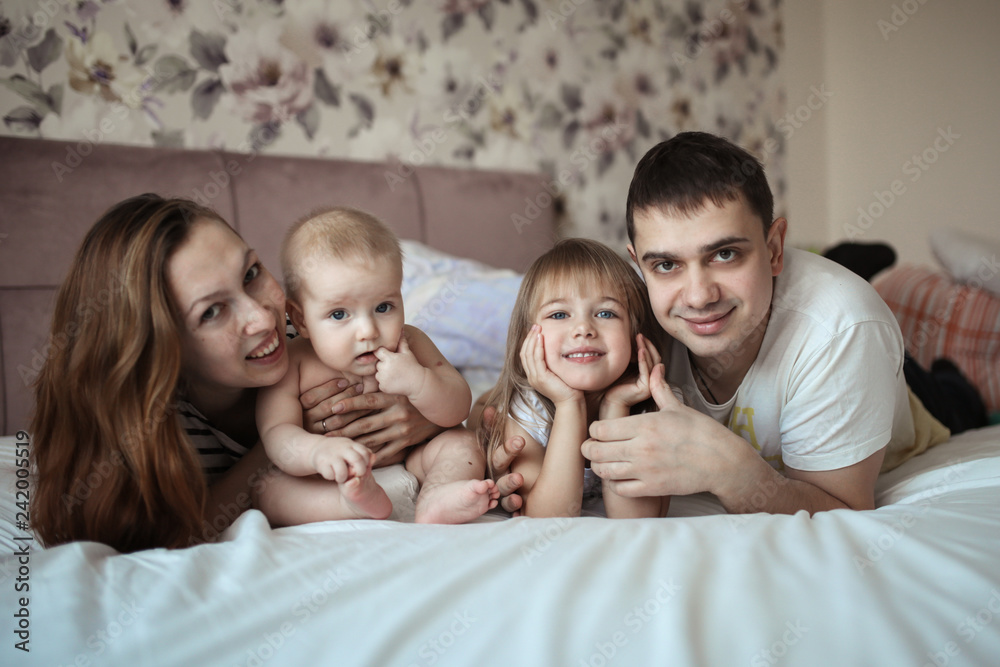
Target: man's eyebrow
{"type": "Point", "coordinates": [663, 255]}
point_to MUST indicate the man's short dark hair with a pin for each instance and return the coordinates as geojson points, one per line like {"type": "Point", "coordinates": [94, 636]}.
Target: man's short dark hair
{"type": "Point", "coordinates": [680, 174]}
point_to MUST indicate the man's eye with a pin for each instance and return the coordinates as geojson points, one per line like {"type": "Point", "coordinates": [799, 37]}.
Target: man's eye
{"type": "Point", "coordinates": [664, 267]}
{"type": "Point", "coordinates": [252, 273]}
{"type": "Point", "coordinates": [212, 313]}
{"type": "Point", "coordinates": [338, 314]}
{"type": "Point", "coordinates": [726, 255]}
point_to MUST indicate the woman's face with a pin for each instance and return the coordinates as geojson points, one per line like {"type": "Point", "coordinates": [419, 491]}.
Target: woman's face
{"type": "Point", "coordinates": [232, 312]}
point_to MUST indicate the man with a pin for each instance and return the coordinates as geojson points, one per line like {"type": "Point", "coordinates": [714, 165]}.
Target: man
{"type": "Point", "coordinates": [792, 365]}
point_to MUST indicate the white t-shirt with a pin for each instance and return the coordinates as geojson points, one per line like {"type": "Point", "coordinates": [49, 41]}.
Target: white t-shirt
{"type": "Point", "coordinates": [827, 388]}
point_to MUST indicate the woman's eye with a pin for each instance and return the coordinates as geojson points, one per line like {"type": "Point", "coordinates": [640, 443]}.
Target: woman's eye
{"type": "Point", "coordinates": [252, 273]}
{"type": "Point", "coordinates": [212, 313]}
{"type": "Point", "coordinates": [338, 314]}
{"type": "Point", "coordinates": [383, 308]}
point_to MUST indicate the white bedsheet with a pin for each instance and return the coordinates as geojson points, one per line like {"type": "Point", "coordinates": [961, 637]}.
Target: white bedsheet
{"type": "Point", "coordinates": [914, 582]}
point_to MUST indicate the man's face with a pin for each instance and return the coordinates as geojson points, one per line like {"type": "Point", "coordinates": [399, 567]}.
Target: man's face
{"type": "Point", "coordinates": [709, 277]}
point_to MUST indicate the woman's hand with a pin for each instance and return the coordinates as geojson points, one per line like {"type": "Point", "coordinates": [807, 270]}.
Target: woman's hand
{"type": "Point", "coordinates": [537, 370]}
{"type": "Point", "coordinates": [384, 423]}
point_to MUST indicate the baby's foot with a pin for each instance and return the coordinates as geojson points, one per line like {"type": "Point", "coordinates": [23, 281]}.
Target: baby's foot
{"type": "Point", "coordinates": [456, 502]}
{"type": "Point", "coordinates": [363, 497]}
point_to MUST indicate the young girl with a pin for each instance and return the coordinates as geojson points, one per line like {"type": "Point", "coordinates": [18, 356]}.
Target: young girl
{"type": "Point", "coordinates": [581, 320]}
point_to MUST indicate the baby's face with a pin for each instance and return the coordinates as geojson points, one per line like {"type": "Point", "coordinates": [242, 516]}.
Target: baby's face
{"type": "Point", "coordinates": [351, 308]}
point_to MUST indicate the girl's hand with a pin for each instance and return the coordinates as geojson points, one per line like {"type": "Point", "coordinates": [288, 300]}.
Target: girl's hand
{"type": "Point", "coordinates": [540, 377]}
{"type": "Point", "coordinates": [630, 392]}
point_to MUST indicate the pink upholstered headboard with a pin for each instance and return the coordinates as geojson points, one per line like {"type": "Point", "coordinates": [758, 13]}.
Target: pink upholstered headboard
{"type": "Point", "coordinates": [51, 192]}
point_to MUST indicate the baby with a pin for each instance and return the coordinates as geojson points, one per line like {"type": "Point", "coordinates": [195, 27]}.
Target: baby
{"type": "Point", "coordinates": [343, 273]}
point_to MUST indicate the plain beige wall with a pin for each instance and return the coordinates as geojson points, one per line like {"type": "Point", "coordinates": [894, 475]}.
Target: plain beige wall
{"type": "Point", "coordinates": [910, 129]}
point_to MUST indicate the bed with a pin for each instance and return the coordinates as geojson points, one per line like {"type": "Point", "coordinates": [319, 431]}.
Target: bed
{"type": "Point", "coordinates": [914, 582]}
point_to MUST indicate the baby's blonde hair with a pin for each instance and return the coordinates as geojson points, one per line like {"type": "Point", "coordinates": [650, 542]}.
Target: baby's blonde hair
{"type": "Point", "coordinates": [570, 262]}
{"type": "Point", "coordinates": [338, 233]}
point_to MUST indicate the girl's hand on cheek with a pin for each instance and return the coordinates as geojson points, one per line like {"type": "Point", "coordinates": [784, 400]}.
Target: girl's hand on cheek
{"type": "Point", "coordinates": [629, 391]}
{"type": "Point", "coordinates": [540, 377]}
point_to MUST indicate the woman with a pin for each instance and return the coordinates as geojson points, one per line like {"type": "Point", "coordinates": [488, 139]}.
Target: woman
{"type": "Point", "coordinates": [144, 432]}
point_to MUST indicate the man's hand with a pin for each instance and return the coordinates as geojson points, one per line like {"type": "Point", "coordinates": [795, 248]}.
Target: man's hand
{"type": "Point", "coordinates": [675, 451]}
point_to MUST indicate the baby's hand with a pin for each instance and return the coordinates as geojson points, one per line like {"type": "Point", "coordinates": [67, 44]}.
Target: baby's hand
{"type": "Point", "coordinates": [537, 370]}
{"type": "Point", "coordinates": [341, 459]}
{"type": "Point", "coordinates": [399, 372]}
{"type": "Point", "coordinates": [630, 392]}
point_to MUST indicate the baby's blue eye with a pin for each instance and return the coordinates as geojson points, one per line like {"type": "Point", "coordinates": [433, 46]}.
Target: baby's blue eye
{"type": "Point", "coordinates": [338, 314]}
{"type": "Point", "coordinates": [383, 308]}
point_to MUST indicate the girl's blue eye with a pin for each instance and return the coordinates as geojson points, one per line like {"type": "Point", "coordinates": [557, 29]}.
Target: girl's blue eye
{"type": "Point", "coordinates": [383, 308]}
{"type": "Point", "coordinates": [212, 313]}
{"type": "Point", "coordinates": [338, 314]}
{"type": "Point", "coordinates": [607, 314]}
{"type": "Point", "coordinates": [252, 273]}
{"type": "Point", "coordinates": [558, 315]}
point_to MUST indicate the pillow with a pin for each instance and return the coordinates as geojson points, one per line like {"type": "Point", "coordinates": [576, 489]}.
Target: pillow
{"type": "Point", "coordinates": [463, 305]}
{"type": "Point", "coordinates": [969, 259]}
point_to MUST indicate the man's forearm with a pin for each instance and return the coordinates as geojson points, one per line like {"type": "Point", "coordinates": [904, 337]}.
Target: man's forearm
{"type": "Point", "coordinates": [760, 488]}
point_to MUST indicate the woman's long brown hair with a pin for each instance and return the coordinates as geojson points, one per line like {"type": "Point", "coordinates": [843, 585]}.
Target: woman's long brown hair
{"type": "Point", "coordinates": [572, 261]}
{"type": "Point", "coordinates": [111, 460]}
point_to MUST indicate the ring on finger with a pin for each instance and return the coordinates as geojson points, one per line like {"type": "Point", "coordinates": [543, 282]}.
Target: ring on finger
{"type": "Point", "coordinates": [324, 425]}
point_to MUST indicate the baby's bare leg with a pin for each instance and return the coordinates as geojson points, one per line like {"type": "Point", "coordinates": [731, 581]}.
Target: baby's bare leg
{"type": "Point", "coordinates": [287, 500]}
{"type": "Point", "coordinates": [450, 469]}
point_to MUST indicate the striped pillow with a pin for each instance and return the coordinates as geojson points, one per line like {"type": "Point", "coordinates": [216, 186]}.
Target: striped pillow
{"type": "Point", "coordinates": [940, 317]}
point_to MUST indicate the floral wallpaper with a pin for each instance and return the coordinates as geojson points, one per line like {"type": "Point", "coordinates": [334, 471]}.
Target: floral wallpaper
{"type": "Point", "coordinates": [577, 89]}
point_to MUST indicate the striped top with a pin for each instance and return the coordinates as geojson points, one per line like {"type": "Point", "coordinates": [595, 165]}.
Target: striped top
{"type": "Point", "coordinates": [216, 450]}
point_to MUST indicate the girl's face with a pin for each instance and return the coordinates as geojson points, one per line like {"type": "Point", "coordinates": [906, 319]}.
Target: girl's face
{"type": "Point", "coordinates": [586, 333]}
{"type": "Point", "coordinates": [232, 312]}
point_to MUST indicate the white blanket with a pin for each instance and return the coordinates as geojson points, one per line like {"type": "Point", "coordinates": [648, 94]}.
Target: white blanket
{"type": "Point", "coordinates": [914, 582]}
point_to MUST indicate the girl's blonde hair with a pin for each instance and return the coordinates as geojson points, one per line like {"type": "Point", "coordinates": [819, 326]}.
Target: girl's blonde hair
{"type": "Point", "coordinates": [112, 462]}
{"type": "Point", "coordinates": [570, 262]}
